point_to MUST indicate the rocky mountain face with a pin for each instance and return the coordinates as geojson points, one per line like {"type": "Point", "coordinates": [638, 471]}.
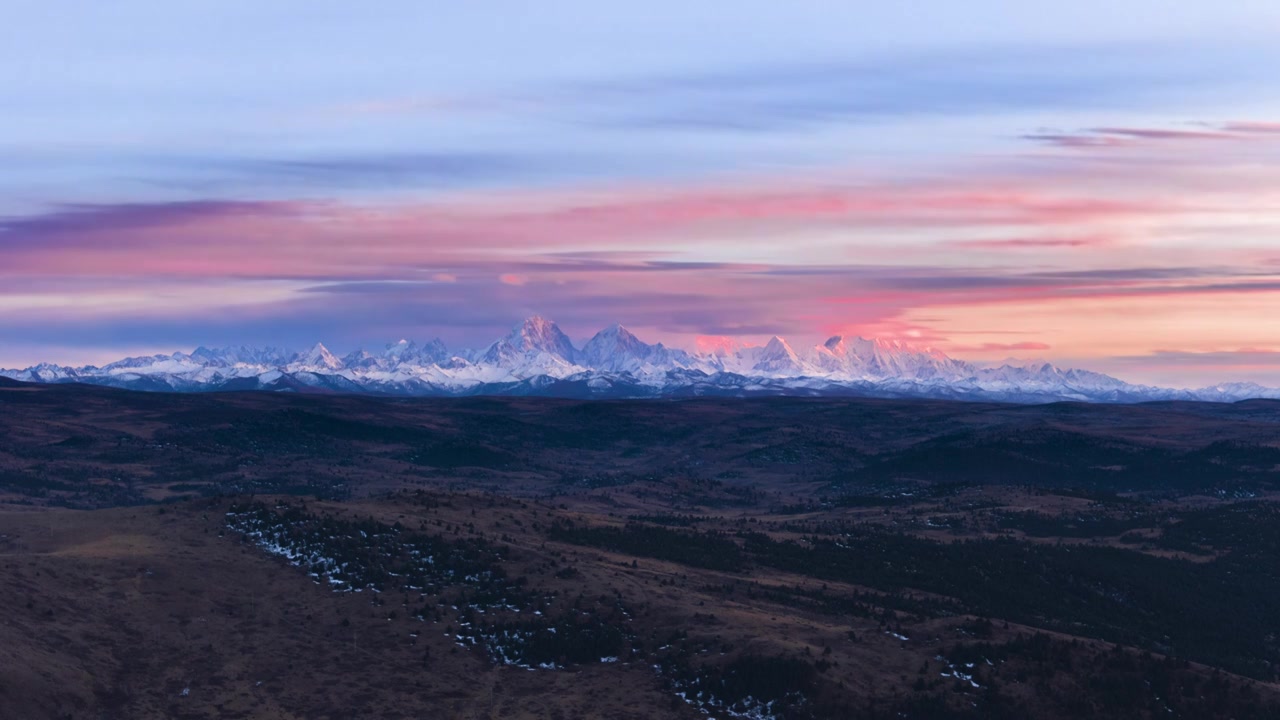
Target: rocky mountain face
{"type": "Point", "coordinates": [537, 358]}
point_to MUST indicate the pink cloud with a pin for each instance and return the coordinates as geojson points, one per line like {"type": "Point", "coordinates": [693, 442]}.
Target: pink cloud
{"type": "Point", "coordinates": [1131, 137]}
{"type": "Point", "coordinates": [715, 344]}
{"type": "Point", "coordinates": [783, 254]}
{"type": "Point", "coordinates": [1036, 243]}
{"type": "Point", "coordinates": [1001, 347]}
{"type": "Point", "coordinates": [303, 239]}
{"type": "Point", "coordinates": [1252, 127]}
{"type": "Point", "coordinates": [1163, 134]}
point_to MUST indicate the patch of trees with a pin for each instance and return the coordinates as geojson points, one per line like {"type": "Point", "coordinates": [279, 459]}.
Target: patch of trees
{"type": "Point", "coordinates": [1222, 612]}
{"type": "Point", "coordinates": [1246, 531]}
{"type": "Point", "coordinates": [1074, 679]}
{"type": "Point", "coordinates": [710, 550]}
{"type": "Point", "coordinates": [452, 453]}
{"type": "Point", "coordinates": [515, 625]}
{"type": "Point", "coordinates": [1073, 525]}
{"type": "Point", "coordinates": [360, 554]}
{"type": "Point", "coordinates": [669, 519]}
{"type": "Point", "coordinates": [749, 686]}
{"type": "Point", "coordinates": [1051, 458]}
{"type": "Point", "coordinates": [570, 640]}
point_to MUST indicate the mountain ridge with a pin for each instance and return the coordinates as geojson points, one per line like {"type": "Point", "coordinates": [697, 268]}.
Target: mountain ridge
{"type": "Point", "coordinates": [537, 358]}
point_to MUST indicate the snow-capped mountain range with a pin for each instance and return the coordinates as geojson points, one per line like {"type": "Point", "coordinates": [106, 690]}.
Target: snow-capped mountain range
{"type": "Point", "coordinates": [537, 358]}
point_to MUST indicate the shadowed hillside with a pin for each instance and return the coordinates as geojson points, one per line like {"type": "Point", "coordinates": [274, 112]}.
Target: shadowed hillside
{"type": "Point", "coordinates": [178, 555]}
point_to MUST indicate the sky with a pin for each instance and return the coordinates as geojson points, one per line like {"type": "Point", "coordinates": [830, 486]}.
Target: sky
{"type": "Point", "coordinates": [1092, 183]}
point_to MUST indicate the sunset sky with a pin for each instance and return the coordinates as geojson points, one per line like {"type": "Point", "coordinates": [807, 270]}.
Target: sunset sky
{"type": "Point", "coordinates": [1093, 183]}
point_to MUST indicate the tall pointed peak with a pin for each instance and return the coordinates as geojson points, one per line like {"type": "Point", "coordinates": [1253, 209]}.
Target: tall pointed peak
{"type": "Point", "coordinates": [777, 343]}
{"type": "Point", "coordinates": [536, 322]}
{"type": "Point", "coordinates": [401, 348]}
{"type": "Point", "coordinates": [533, 334]}
{"type": "Point", "coordinates": [318, 354]}
{"type": "Point", "coordinates": [777, 356]}
{"type": "Point", "coordinates": [777, 349]}
{"type": "Point", "coordinates": [617, 331]}
{"type": "Point", "coordinates": [536, 326]}
{"type": "Point", "coordinates": [612, 345]}
{"type": "Point", "coordinates": [533, 328]}
{"type": "Point", "coordinates": [617, 349]}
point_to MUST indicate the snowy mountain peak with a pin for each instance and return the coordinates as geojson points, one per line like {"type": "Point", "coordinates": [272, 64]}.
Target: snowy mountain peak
{"type": "Point", "coordinates": [207, 354]}
{"type": "Point", "coordinates": [616, 330]}
{"type": "Point", "coordinates": [536, 357]}
{"type": "Point", "coordinates": [435, 349]}
{"type": "Point", "coordinates": [534, 335]}
{"type": "Point", "coordinates": [860, 347]}
{"type": "Point", "coordinates": [777, 345]}
{"type": "Point", "coordinates": [401, 351]}
{"type": "Point", "coordinates": [360, 359]}
{"type": "Point", "coordinates": [612, 340]}
{"type": "Point", "coordinates": [616, 349]}
{"type": "Point", "coordinates": [777, 357]}
{"type": "Point", "coordinates": [537, 331]}
{"type": "Point", "coordinates": [317, 357]}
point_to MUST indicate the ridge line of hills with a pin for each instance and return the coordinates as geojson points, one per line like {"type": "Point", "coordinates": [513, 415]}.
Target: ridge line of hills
{"type": "Point", "coordinates": [537, 358]}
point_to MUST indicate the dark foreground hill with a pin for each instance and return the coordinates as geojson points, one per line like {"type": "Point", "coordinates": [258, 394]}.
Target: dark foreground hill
{"type": "Point", "coordinates": [252, 555]}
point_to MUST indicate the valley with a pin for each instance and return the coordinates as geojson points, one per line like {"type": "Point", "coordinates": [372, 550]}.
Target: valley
{"type": "Point", "coordinates": [274, 555]}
